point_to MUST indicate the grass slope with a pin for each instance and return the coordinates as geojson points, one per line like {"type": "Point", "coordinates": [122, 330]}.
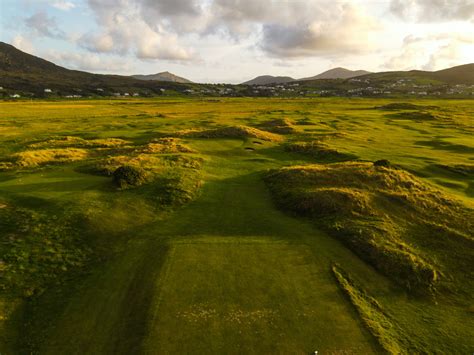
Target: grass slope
{"type": "Point", "coordinates": [390, 218]}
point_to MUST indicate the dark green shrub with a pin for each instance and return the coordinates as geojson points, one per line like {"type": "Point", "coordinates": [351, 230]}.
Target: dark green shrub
{"type": "Point", "coordinates": [129, 176]}
{"type": "Point", "coordinates": [382, 162]}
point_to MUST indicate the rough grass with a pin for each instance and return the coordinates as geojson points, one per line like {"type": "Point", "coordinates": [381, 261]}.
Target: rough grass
{"type": "Point", "coordinates": [36, 251]}
{"type": "Point", "coordinates": [72, 141]}
{"type": "Point", "coordinates": [172, 180]}
{"type": "Point", "coordinates": [278, 125]}
{"type": "Point", "coordinates": [404, 106]}
{"type": "Point", "coordinates": [34, 158]}
{"type": "Point", "coordinates": [318, 150]}
{"type": "Point", "coordinates": [129, 176]}
{"type": "Point", "coordinates": [374, 211]}
{"type": "Point", "coordinates": [232, 132]}
{"type": "Point", "coordinates": [389, 334]}
{"type": "Point", "coordinates": [167, 146]}
{"type": "Point", "coordinates": [148, 162]}
{"type": "Point", "coordinates": [414, 115]}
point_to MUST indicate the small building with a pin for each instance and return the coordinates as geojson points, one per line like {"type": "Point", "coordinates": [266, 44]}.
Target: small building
{"type": "Point", "coordinates": [48, 91]}
{"type": "Point", "coordinates": [15, 96]}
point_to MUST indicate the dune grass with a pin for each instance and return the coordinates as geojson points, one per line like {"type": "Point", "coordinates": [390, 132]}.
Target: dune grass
{"type": "Point", "coordinates": [34, 158]}
{"type": "Point", "coordinates": [279, 126]}
{"type": "Point", "coordinates": [232, 132]}
{"type": "Point", "coordinates": [373, 210]}
{"type": "Point", "coordinates": [319, 150]}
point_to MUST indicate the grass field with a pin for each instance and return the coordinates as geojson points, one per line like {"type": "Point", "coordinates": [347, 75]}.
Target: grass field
{"type": "Point", "coordinates": [194, 254]}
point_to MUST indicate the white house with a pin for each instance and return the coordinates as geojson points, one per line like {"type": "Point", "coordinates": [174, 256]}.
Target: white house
{"type": "Point", "coordinates": [48, 90]}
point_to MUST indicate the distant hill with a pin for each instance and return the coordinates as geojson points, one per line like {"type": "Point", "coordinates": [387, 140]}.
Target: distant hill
{"type": "Point", "coordinates": [462, 74]}
{"type": "Point", "coordinates": [163, 76]}
{"type": "Point", "coordinates": [338, 73]}
{"type": "Point", "coordinates": [26, 73]}
{"type": "Point", "coordinates": [455, 75]}
{"type": "Point", "coordinates": [268, 79]}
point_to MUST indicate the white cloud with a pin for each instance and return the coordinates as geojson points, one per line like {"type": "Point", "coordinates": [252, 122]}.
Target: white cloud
{"type": "Point", "coordinates": [63, 5]}
{"type": "Point", "coordinates": [433, 10]}
{"type": "Point", "coordinates": [123, 30]}
{"type": "Point", "coordinates": [22, 43]}
{"type": "Point", "coordinates": [162, 29]}
{"type": "Point", "coordinates": [432, 52]}
{"type": "Point", "coordinates": [88, 62]}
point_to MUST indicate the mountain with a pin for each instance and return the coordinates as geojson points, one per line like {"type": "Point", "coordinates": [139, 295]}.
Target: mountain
{"type": "Point", "coordinates": [338, 73]}
{"type": "Point", "coordinates": [268, 79]}
{"type": "Point", "coordinates": [462, 74]}
{"type": "Point", "coordinates": [23, 72]}
{"type": "Point", "coordinates": [163, 76]}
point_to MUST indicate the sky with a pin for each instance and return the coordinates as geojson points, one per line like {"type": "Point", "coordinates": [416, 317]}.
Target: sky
{"type": "Point", "coordinates": [231, 41]}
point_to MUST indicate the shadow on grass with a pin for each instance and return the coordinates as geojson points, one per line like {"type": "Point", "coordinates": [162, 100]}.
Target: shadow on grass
{"type": "Point", "coordinates": [446, 146]}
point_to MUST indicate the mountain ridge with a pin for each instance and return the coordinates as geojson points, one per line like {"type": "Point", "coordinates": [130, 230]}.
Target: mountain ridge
{"type": "Point", "coordinates": [162, 76]}
{"type": "Point", "coordinates": [269, 79]}
{"type": "Point", "coordinates": [337, 73]}
{"type": "Point", "coordinates": [25, 72]}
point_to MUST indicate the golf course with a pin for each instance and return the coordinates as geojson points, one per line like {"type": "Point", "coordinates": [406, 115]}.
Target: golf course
{"type": "Point", "coordinates": [237, 226]}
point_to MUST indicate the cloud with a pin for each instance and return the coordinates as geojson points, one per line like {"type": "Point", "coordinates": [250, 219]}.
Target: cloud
{"type": "Point", "coordinates": [44, 25]}
{"type": "Point", "coordinates": [124, 30]}
{"type": "Point", "coordinates": [432, 52]}
{"type": "Point", "coordinates": [22, 43]}
{"type": "Point", "coordinates": [433, 10]}
{"type": "Point", "coordinates": [88, 62]}
{"type": "Point", "coordinates": [163, 29]}
{"type": "Point", "coordinates": [63, 5]}
{"type": "Point", "coordinates": [345, 31]}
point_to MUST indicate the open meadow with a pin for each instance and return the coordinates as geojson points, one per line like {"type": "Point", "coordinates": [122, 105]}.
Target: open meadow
{"type": "Point", "coordinates": [237, 226]}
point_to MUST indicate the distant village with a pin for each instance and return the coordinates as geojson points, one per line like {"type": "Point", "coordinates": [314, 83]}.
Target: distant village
{"type": "Point", "coordinates": [355, 87]}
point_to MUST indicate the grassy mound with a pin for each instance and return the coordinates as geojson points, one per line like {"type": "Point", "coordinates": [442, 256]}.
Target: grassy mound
{"type": "Point", "coordinates": [318, 150]}
{"type": "Point", "coordinates": [168, 180]}
{"type": "Point", "coordinates": [232, 132]}
{"type": "Point", "coordinates": [129, 176]}
{"type": "Point", "coordinates": [404, 106]}
{"type": "Point", "coordinates": [389, 335]}
{"type": "Point", "coordinates": [414, 115]}
{"type": "Point", "coordinates": [381, 213]}
{"type": "Point", "coordinates": [279, 126]}
{"type": "Point", "coordinates": [72, 141]}
{"type": "Point", "coordinates": [151, 164]}
{"type": "Point", "coordinates": [167, 146]}
{"type": "Point", "coordinates": [34, 158]}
